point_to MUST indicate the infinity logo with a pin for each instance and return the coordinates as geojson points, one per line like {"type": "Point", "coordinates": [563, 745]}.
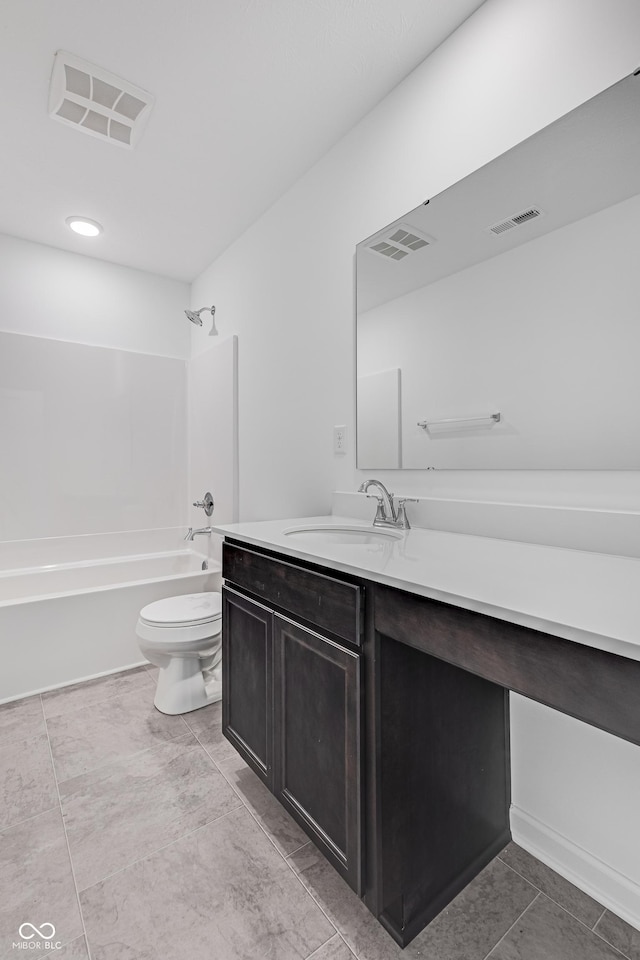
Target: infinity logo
{"type": "Point", "coordinates": [46, 932]}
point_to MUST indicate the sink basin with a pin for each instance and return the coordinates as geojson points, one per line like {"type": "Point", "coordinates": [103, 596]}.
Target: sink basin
{"type": "Point", "coordinates": [340, 534]}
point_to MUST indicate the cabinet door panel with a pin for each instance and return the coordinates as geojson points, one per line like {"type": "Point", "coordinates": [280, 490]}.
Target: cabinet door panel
{"type": "Point", "coordinates": [317, 741]}
{"type": "Point", "coordinates": [247, 701]}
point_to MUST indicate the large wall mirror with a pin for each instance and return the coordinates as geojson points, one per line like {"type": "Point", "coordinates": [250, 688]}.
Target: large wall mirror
{"type": "Point", "coordinates": [498, 325]}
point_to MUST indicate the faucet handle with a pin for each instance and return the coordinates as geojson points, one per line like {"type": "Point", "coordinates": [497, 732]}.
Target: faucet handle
{"type": "Point", "coordinates": [401, 513]}
{"type": "Point", "coordinates": [206, 503]}
{"type": "Point", "coordinates": [380, 514]}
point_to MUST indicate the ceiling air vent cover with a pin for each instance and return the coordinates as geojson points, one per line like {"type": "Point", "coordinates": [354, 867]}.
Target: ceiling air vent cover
{"type": "Point", "coordinates": [96, 102]}
{"type": "Point", "coordinates": [399, 241]}
{"type": "Point", "coordinates": [515, 221]}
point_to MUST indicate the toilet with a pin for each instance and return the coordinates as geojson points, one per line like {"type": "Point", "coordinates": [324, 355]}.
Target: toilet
{"type": "Point", "coordinates": [183, 636]}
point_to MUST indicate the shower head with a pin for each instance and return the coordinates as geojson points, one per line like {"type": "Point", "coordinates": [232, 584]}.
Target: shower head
{"type": "Point", "coordinates": [194, 316]}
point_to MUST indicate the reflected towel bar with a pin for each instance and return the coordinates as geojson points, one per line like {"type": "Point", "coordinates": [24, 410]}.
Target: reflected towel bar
{"type": "Point", "coordinates": [492, 418]}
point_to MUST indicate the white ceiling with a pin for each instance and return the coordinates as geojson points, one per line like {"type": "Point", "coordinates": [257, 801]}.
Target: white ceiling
{"type": "Point", "coordinates": [249, 94]}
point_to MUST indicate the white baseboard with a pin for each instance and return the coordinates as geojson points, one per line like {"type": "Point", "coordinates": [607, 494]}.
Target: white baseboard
{"type": "Point", "coordinates": [612, 889]}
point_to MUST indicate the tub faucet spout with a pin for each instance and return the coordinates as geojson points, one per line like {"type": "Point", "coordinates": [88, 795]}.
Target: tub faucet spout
{"type": "Point", "coordinates": [202, 532]}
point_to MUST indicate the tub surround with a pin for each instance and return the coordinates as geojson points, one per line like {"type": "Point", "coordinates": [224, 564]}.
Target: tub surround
{"type": "Point", "coordinates": [96, 434]}
{"type": "Point", "coordinates": [589, 598]}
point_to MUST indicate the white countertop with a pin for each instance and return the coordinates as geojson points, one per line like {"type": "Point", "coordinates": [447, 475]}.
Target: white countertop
{"type": "Point", "coordinates": [590, 598]}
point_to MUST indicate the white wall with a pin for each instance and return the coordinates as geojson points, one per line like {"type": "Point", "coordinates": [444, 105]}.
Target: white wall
{"type": "Point", "coordinates": [287, 288]}
{"type": "Point", "coordinates": [52, 293]}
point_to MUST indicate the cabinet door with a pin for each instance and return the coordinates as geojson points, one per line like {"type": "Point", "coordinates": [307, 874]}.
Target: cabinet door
{"type": "Point", "coordinates": [247, 694]}
{"type": "Point", "coordinates": [317, 741]}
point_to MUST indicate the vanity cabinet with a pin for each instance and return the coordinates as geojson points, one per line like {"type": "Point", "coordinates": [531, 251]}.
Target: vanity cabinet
{"type": "Point", "coordinates": [350, 729]}
{"type": "Point", "coordinates": [379, 717]}
{"type": "Point", "coordinates": [292, 694]}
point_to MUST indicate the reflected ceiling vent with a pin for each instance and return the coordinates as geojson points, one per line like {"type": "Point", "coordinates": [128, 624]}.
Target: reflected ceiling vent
{"type": "Point", "coordinates": [96, 102]}
{"type": "Point", "coordinates": [399, 241]}
{"type": "Point", "coordinates": [519, 218]}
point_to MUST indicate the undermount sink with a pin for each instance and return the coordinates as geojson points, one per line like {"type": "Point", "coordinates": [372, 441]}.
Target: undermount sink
{"type": "Point", "coordinates": [341, 534]}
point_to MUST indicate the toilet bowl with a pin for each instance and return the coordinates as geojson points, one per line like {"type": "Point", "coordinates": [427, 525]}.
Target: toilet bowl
{"type": "Point", "coordinates": [183, 637]}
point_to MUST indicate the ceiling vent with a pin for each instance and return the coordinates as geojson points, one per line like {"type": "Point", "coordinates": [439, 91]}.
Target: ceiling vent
{"type": "Point", "coordinates": [399, 241]}
{"type": "Point", "coordinates": [96, 102]}
{"type": "Point", "coordinates": [519, 218]}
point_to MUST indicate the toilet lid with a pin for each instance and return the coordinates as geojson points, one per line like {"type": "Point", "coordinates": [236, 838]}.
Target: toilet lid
{"type": "Point", "coordinates": [189, 608]}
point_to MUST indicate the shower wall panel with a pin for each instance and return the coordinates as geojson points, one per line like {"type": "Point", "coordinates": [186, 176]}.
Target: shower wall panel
{"type": "Point", "coordinates": [92, 439]}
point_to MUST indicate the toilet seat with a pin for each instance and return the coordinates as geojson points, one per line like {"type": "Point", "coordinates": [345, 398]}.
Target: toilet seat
{"type": "Point", "coordinates": [182, 622]}
{"type": "Point", "coordinates": [192, 609]}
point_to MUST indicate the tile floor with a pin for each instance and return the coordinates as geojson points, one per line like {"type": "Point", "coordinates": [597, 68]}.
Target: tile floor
{"type": "Point", "coordinates": [145, 837]}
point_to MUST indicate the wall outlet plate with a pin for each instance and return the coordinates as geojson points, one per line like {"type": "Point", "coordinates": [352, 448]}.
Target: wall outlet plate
{"type": "Point", "coordinates": [340, 439]}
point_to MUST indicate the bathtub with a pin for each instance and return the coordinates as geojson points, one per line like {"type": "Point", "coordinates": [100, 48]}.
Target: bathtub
{"type": "Point", "coordinates": [74, 620]}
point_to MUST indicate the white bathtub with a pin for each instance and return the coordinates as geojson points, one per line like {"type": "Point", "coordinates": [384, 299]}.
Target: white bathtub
{"type": "Point", "coordinates": [65, 622]}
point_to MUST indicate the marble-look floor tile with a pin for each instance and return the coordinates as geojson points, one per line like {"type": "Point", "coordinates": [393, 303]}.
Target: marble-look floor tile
{"type": "Point", "coordinates": [124, 811]}
{"type": "Point", "coordinates": [582, 906]}
{"type": "Point", "coordinates": [207, 726]}
{"type": "Point", "coordinates": [36, 882]}
{"type": "Point", "coordinates": [27, 784]}
{"type": "Point", "coordinates": [21, 719]}
{"type": "Point", "coordinates": [90, 692]}
{"type": "Point", "coordinates": [220, 892]}
{"type": "Point", "coordinates": [547, 932]}
{"type": "Point", "coordinates": [334, 949]}
{"type": "Point", "coordinates": [274, 819]}
{"type": "Point", "coordinates": [619, 933]}
{"type": "Point", "coordinates": [76, 950]}
{"type": "Point", "coordinates": [465, 930]}
{"type": "Point", "coordinates": [476, 919]}
{"type": "Point", "coordinates": [84, 739]}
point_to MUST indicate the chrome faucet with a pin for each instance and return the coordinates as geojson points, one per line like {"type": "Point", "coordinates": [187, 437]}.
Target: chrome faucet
{"type": "Point", "coordinates": [389, 512]}
{"type": "Point", "coordinates": [202, 532]}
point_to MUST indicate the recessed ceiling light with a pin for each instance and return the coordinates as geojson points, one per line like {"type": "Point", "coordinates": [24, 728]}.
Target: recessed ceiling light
{"type": "Point", "coordinates": [86, 228]}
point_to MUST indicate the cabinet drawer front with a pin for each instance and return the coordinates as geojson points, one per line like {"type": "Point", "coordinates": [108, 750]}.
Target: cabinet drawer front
{"type": "Point", "coordinates": [323, 601]}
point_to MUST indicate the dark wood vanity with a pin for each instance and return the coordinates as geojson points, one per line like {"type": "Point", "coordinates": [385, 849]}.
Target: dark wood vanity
{"type": "Point", "coordinates": [380, 719]}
